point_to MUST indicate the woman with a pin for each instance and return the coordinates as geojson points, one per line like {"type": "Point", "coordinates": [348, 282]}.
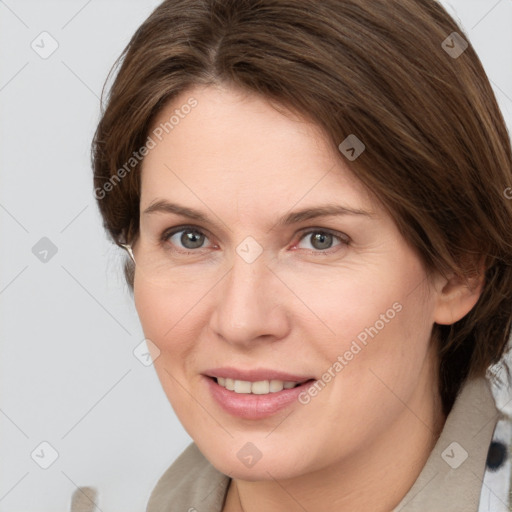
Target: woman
{"type": "Point", "coordinates": [312, 198]}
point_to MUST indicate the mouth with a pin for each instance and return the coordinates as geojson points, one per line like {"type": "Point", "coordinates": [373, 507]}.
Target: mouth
{"type": "Point", "coordinates": [255, 400]}
{"type": "Point", "coordinates": [261, 387]}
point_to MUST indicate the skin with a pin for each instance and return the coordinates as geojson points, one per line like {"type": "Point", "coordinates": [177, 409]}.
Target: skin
{"type": "Point", "coordinates": [362, 441]}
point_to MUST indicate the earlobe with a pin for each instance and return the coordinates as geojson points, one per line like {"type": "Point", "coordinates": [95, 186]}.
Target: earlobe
{"type": "Point", "coordinates": [457, 297]}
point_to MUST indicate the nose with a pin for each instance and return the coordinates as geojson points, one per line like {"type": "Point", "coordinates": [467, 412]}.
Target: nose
{"type": "Point", "coordinates": [251, 305]}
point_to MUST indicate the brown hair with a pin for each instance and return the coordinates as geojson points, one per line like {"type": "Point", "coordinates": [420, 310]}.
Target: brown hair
{"type": "Point", "coordinates": [437, 156]}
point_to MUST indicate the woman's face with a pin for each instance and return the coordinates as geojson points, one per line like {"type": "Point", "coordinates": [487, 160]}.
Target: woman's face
{"type": "Point", "coordinates": [254, 291]}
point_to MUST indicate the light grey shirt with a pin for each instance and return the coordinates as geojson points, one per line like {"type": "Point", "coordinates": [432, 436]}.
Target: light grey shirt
{"type": "Point", "coordinates": [450, 481]}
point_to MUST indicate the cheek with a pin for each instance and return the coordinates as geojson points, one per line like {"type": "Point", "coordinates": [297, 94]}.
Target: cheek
{"type": "Point", "coordinates": [150, 305]}
{"type": "Point", "coordinates": [348, 307]}
{"type": "Point", "coordinates": [172, 320]}
{"type": "Point", "coordinates": [379, 320]}
{"type": "Point", "coordinates": [376, 357]}
{"type": "Point", "coordinates": [391, 341]}
{"type": "Point", "coordinates": [167, 315]}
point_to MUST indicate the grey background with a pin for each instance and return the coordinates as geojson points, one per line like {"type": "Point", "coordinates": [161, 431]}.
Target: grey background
{"type": "Point", "coordinates": [68, 325]}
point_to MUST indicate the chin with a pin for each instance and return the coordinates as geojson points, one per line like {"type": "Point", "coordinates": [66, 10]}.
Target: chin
{"type": "Point", "coordinates": [266, 468]}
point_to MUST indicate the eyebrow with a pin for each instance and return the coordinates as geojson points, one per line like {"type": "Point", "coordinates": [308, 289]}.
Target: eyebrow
{"type": "Point", "coordinates": [328, 210]}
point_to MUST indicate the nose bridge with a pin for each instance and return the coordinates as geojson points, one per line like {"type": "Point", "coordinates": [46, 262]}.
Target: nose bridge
{"type": "Point", "coordinates": [247, 306]}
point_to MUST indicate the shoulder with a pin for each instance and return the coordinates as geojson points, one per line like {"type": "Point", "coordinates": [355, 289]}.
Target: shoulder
{"type": "Point", "coordinates": [190, 483]}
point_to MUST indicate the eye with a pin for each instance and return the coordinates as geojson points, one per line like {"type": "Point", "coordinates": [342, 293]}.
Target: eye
{"type": "Point", "coordinates": [185, 237]}
{"type": "Point", "coordinates": [188, 239]}
{"type": "Point", "coordinates": [321, 239]}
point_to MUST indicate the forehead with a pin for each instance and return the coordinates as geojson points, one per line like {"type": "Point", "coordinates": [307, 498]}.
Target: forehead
{"type": "Point", "coordinates": [237, 146]}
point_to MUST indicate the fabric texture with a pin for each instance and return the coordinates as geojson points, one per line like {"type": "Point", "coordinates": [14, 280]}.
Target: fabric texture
{"type": "Point", "coordinates": [495, 496]}
{"type": "Point", "coordinates": [453, 479]}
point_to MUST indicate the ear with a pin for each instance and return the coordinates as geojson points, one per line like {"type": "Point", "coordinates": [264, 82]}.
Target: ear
{"type": "Point", "coordinates": [456, 296]}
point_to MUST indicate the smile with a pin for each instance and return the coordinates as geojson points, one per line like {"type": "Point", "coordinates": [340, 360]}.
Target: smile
{"type": "Point", "coordinates": [261, 387]}
{"type": "Point", "coordinates": [255, 400]}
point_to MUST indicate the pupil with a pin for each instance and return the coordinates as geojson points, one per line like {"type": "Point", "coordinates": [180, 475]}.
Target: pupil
{"type": "Point", "coordinates": [193, 238]}
{"type": "Point", "coordinates": [322, 237]}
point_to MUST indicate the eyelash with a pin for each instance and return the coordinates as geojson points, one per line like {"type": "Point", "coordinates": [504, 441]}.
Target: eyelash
{"type": "Point", "coordinates": [344, 239]}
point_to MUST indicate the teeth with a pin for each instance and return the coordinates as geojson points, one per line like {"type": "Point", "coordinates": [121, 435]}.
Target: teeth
{"type": "Point", "coordinates": [276, 385]}
{"type": "Point", "coordinates": [242, 386]}
{"type": "Point", "coordinates": [262, 387]}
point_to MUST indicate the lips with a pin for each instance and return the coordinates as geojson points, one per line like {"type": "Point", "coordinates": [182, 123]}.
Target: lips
{"type": "Point", "coordinates": [255, 375]}
{"type": "Point", "coordinates": [254, 406]}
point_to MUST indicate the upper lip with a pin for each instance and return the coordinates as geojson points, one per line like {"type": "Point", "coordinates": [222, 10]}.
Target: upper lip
{"type": "Point", "coordinates": [255, 375]}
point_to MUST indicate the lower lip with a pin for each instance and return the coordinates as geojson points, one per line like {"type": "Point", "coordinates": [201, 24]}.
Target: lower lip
{"type": "Point", "coordinates": [254, 407]}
